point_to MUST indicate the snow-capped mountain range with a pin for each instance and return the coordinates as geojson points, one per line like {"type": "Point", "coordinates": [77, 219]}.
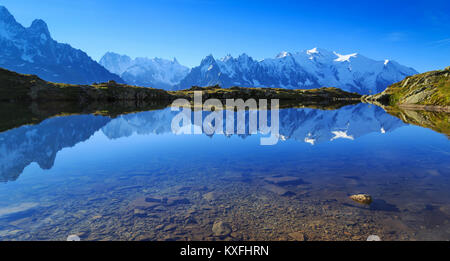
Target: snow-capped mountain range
{"type": "Point", "coordinates": [307, 69]}
{"type": "Point", "coordinates": [146, 72]}
{"type": "Point", "coordinates": [33, 51]}
{"type": "Point", "coordinates": [40, 143]}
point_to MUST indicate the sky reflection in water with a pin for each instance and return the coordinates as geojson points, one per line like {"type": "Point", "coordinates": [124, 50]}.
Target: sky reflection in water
{"type": "Point", "coordinates": [60, 174]}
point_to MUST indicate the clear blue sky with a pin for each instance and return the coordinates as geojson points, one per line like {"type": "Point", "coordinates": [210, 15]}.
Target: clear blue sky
{"type": "Point", "coordinates": [414, 33]}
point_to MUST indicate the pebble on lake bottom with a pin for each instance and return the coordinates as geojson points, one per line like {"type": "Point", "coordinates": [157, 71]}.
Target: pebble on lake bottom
{"type": "Point", "coordinates": [73, 238]}
{"type": "Point", "coordinates": [362, 198]}
{"type": "Point", "coordinates": [373, 238]}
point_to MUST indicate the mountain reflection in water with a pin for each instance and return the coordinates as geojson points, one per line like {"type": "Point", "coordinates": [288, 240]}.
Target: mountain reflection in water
{"type": "Point", "coordinates": [128, 177]}
{"type": "Point", "coordinates": [40, 143]}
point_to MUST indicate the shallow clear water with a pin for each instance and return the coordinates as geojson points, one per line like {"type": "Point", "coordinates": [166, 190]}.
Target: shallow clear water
{"type": "Point", "coordinates": [130, 178]}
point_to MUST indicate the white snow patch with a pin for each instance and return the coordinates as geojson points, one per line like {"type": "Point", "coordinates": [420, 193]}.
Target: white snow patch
{"type": "Point", "coordinates": [341, 135]}
{"type": "Point", "coordinates": [283, 54]}
{"type": "Point", "coordinates": [310, 141]}
{"type": "Point", "coordinates": [344, 57]}
{"type": "Point", "coordinates": [312, 51]}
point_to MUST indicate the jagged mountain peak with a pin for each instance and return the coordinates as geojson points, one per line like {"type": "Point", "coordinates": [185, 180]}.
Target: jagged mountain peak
{"type": "Point", "coordinates": [394, 65]}
{"type": "Point", "coordinates": [116, 63]}
{"type": "Point", "coordinates": [115, 54]}
{"type": "Point", "coordinates": [244, 59]}
{"type": "Point", "coordinates": [244, 56]}
{"type": "Point", "coordinates": [208, 60]}
{"type": "Point", "coordinates": [40, 26]}
{"type": "Point", "coordinates": [31, 50]}
{"type": "Point", "coordinates": [147, 72]}
{"type": "Point", "coordinates": [227, 58]}
{"type": "Point", "coordinates": [283, 54]}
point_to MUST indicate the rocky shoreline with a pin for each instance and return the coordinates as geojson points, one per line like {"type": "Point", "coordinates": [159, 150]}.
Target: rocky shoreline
{"type": "Point", "coordinates": [27, 99]}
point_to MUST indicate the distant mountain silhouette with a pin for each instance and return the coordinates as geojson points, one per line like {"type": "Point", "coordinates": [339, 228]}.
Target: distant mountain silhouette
{"type": "Point", "coordinates": [156, 73]}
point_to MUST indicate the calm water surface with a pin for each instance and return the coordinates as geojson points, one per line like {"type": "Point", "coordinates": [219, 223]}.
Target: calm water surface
{"type": "Point", "coordinates": [130, 178]}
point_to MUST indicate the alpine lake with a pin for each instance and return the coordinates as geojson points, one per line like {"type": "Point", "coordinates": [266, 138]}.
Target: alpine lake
{"type": "Point", "coordinates": [122, 174]}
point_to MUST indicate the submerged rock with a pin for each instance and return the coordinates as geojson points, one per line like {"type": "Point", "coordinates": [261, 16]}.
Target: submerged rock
{"type": "Point", "coordinates": [211, 196]}
{"type": "Point", "coordinates": [155, 202]}
{"type": "Point", "coordinates": [182, 189]}
{"type": "Point", "coordinates": [284, 181]}
{"type": "Point", "coordinates": [382, 205]}
{"type": "Point", "coordinates": [373, 238]}
{"type": "Point", "coordinates": [190, 220]}
{"type": "Point", "coordinates": [221, 229]}
{"type": "Point", "coordinates": [297, 236]}
{"type": "Point", "coordinates": [362, 198]}
{"type": "Point", "coordinates": [176, 201]}
{"type": "Point", "coordinates": [21, 208]}
{"type": "Point", "coordinates": [154, 199]}
{"type": "Point", "coordinates": [140, 213]}
{"type": "Point", "coordinates": [278, 190]}
{"type": "Point", "coordinates": [170, 227]}
{"type": "Point", "coordinates": [73, 238]}
{"type": "Point", "coordinates": [142, 203]}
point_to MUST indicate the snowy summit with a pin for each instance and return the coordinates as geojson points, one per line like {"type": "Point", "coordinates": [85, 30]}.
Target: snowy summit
{"type": "Point", "coordinates": [313, 68]}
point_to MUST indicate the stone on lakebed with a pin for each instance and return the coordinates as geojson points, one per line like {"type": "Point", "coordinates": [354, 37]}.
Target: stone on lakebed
{"type": "Point", "coordinates": [362, 198]}
{"type": "Point", "coordinates": [297, 236]}
{"type": "Point", "coordinates": [278, 190]}
{"type": "Point", "coordinates": [221, 229]}
{"type": "Point", "coordinates": [284, 180]}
